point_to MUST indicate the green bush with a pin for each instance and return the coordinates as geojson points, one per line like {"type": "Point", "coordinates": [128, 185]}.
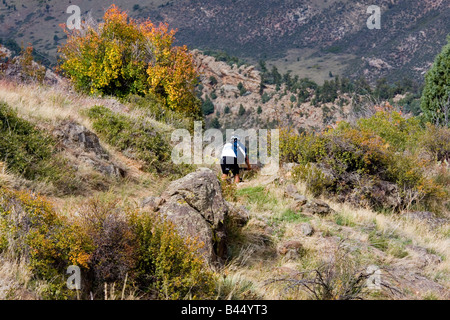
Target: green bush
{"type": "Point", "coordinates": [107, 242]}
{"type": "Point", "coordinates": [30, 229]}
{"type": "Point", "coordinates": [31, 153]}
{"type": "Point", "coordinates": [241, 110]}
{"type": "Point", "coordinates": [399, 132]}
{"type": "Point", "coordinates": [436, 142]}
{"type": "Point", "coordinates": [368, 156]}
{"type": "Point", "coordinates": [259, 110]}
{"type": "Point", "coordinates": [167, 263]}
{"type": "Point", "coordinates": [153, 107]}
{"type": "Point", "coordinates": [139, 138]}
{"type": "Point", "coordinates": [207, 107]}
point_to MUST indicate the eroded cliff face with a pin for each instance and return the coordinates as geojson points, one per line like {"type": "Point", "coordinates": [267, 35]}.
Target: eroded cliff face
{"type": "Point", "coordinates": [278, 109]}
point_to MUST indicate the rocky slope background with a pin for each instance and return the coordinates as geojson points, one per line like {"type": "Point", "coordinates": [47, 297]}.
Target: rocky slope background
{"type": "Point", "coordinates": [301, 36]}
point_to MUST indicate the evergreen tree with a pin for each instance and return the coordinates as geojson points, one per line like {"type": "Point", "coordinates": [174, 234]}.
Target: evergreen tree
{"type": "Point", "coordinates": [215, 123]}
{"type": "Point", "coordinates": [435, 102]}
{"type": "Point", "coordinates": [207, 107]}
{"type": "Point", "coordinates": [241, 110]}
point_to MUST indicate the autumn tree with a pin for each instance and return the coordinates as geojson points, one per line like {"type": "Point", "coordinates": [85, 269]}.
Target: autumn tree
{"type": "Point", "coordinates": [124, 56]}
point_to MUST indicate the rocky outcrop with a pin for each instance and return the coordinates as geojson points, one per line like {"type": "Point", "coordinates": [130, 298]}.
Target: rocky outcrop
{"type": "Point", "coordinates": [227, 98]}
{"type": "Point", "coordinates": [317, 207]}
{"type": "Point", "coordinates": [85, 146]}
{"type": "Point", "coordinates": [299, 200]}
{"type": "Point", "coordinates": [229, 77]}
{"type": "Point", "coordinates": [14, 70]}
{"type": "Point", "coordinates": [306, 229]}
{"type": "Point", "coordinates": [290, 249]}
{"type": "Point", "coordinates": [195, 205]}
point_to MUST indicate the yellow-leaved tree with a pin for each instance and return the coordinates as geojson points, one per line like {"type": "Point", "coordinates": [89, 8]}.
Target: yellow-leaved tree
{"type": "Point", "coordinates": [122, 56]}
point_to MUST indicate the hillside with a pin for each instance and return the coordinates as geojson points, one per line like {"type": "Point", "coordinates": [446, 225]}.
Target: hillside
{"type": "Point", "coordinates": [108, 191]}
{"type": "Point", "coordinates": [269, 242]}
{"type": "Point", "coordinates": [237, 95]}
{"type": "Point", "coordinates": [311, 38]}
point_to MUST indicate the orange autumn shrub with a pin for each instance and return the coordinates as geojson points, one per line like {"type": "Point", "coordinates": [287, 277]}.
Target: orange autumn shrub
{"type": "Point", "coordinates": [124, 56]}
{"type": "Point", "coordinates": [110, 244]}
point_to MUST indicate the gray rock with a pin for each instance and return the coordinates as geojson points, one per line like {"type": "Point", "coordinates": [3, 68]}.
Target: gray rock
{"type": "Point", "coordinates": [152, 203]}
{"type": "Point", "coordinates": [290, 190]}
{"type": "Point", "coordinates": [424, 257]}
{"type": "Point", "coordinates": [317, 207]}
{"type": "Point", "coordinates": [72, 135]}
{"type": "Point", "coordinates": [426, 217]}
{"type": "Point", "coordinates": [240, 215]}
{"type": "Point", "coordinates": [300, 200]}
{"type": "Point", "coordinates": [290, 249]}
{"type": "Point", "coordinates": [85, 145]}
{"type": "Point", "coordinates": [195, 205]}
{"type": "Point", "coordinates": [306, 229]}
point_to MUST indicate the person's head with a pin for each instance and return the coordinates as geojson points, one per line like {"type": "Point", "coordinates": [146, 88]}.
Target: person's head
{"type": "Point", "coordinates": [235, 138]}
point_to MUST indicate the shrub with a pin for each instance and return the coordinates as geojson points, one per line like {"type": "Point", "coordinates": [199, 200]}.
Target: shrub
{"type": "Point", "coordinates": [241, 89]}
{"type": "Point", "coordinates": [215, 123]}
{"type": "Point", "coordinates": [241, 110]}
{"type": "Point", "coordinates": [123, 56]}
{"type": "Point", "coordinates": [167, 263]}
{"type": "Point", "coordinates": [399, 132]}
{"type": "Point", "coordinates": [316, 181]}
{"type": "Point", "coordinates": [106, 227]}
{"type": "Point", "coordinates": [259, 110]}
{"type": "Point", "coordinates": [362, 162]}
{"type": "Point", "coordinates": [152, 107]}
{"type": "Point", "coordinates": [30, 70]}
{"type": "Point", "coordinates": [138, 137]}
{"type": "Point", "coordinates": [207, 107]}
{"type": "Point", "coordinates": [212, 80]}
{"type": "Point", "coordinates": [31, 153]}
{"type": "Point", "coordinates": [265, 97]}
{"type": "Point", "coordinates": [107, 242]}
{"type": "Point", "coordinates": [436, 141]}
{"type": "Point", "coordinates": [31, 229]}
{"type": "Point", "coordinates": [342, 277]}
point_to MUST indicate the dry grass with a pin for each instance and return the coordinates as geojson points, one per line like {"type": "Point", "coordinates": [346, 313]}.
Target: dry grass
{"type": "Point", "coordinates": [256, 261]}
{"type": "Point", "coordinates": [355, 226]}
{"type": "Point", "coordinates": [14, 278]}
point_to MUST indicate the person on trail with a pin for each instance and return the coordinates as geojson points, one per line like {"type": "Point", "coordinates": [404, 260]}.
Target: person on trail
{"type": "Point", "coordinates": [234, 153]}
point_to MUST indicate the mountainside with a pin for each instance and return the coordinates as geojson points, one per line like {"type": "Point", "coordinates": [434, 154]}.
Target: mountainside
{"type": "Point", "coordinates": [294, 35]}
{"type": "Point", "coordinates": [276, 230]}
{"type": "Point", "coordinates": [410, 31]}
{"type": "Point", "coordinates": [245, 107]}
{"type": "Point", "coordinates": [109, 191]}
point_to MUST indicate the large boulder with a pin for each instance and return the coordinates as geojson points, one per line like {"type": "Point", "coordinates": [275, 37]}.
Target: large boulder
{"type": "Point", "coordinates": [85, 146]}
{"type": "Point", "coordinates": [195, 205]}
